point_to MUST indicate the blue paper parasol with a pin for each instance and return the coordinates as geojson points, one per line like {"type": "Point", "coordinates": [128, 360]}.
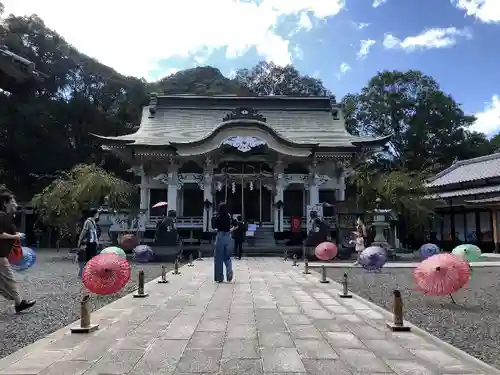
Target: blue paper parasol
{"type": "Point", "coordinates": [29, 258]}
{"type": "Point", "coordinates": [373, 258]}
{"type": "Point", "coordinates": [143, 254]}
{"type": "Point", "coordinates": [428, 250]}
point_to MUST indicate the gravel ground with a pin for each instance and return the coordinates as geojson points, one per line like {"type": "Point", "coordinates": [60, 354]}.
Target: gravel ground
{"type": "Point", "coordinates": [472, 325]}
{"type": "Point", "coordinates": [54, 283]}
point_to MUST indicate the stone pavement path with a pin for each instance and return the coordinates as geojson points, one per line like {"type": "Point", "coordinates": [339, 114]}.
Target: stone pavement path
{"type": "Point", "coordinates": [271, 320]}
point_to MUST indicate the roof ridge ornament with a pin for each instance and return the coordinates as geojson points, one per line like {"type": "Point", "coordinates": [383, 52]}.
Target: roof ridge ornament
{"type": "Point", "coordinates": [244, 113]}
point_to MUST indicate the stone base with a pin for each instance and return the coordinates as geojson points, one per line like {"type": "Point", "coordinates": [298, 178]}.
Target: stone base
{"type": "Point", "coordinates": [89, 329]}
{"type": "Point", "coordinates": [398, 328]}
{"type": "Point", "coordinates": [342, 295]}
{"type": "Point", "coordinates": [324, 281]}
{"type": "Point", "coordinates": [143, 295]}
{"type": "Point", "coordinates": [162, 281]}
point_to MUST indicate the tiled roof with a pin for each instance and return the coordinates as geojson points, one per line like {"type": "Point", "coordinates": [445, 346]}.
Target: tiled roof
{"type": "Point", "coordinates": [186, 125]}
{"type": "Point", "coordinates": [465, 192]}
{"type": "Point", "coordinates": [484, 167]}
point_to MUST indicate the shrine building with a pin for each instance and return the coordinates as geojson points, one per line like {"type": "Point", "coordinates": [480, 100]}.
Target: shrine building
{"type": "Point", "coordinates": [271, 158]}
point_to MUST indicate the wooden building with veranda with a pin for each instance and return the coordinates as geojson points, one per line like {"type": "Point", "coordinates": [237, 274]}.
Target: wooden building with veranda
{"type": "Point", "coordinates": [468, 203]}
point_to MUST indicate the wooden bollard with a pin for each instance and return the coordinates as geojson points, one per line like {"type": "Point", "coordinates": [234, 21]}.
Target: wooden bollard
{"type": "Point", "coordinates": [163, 279]}
{"type": "Point", "coordinates": [85, 324]}
{"type": "Point", "coordinates": [306, 267]}
{"type": "Point", "coordinates": [345, 288]}
{"type": "Point", "coordinates": [285, 255]}
{"type": "Point", "coordinates": [200, 255]}
{"type": "Point", "coordinates": [323, 280]}
{"type": "Point", "coordinates": [398, 324]}
{"type": "Point", "coordinates": [140, 286]}
{"type": "Point", "coordinates": [303, 252]}
{"type": "Point", "coordinates": [176, 267]}
{"type": "Point", "coordinates": [191, 264]}
{"type": "Point", "coordinates": [295, 261]}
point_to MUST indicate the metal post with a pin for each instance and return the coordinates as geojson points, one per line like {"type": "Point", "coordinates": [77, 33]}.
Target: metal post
{"type": "Point", "coordinates": [163, 279]}
{"type": "Point", "coordinates": [306, 267]}
{"type": "Point", "coordinates": [398, 325]}
{"type": "Point", "coordinates": [85, 324]}
{"type": "Point", "coordinates": [295, 261]}
{"type": "Point", "coordinates": [323, 280]}
{"type": "Point", "coordinates": [190, 264]}
{"type": "Point", "coordinates": [200, 255]}
{"type": "Point", "coordinates": [176, 267]}
{"type": "Point", "coordinates": [285, 255]}
{"type": "Point", "coordinates": [140, 286]}
{"type": "Point", "coordinates": [345, 288]}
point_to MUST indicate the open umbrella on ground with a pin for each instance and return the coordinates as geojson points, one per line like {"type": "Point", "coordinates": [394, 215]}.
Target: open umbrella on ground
{"type": "Point", "coordinates": [28, 259]}
{"type": "Point", "coordinates": [143, 254]}
{"type": "Point", "coordinates": [468, 252]}
{"type": "Point", "coordinates": [106, 274]}
{"type": "Point", "coordinates": [326, 251]}
{"type": "Point", "coordinates": [442, 274]}
{"type": "Point", "coordinates": [373, 258]}
{"type": "Point", "coordinates": [114, 250]}
{"type": "Point", "coordinates": [129, 242]}
{"type": "Point", "coordinates": [428, 250]}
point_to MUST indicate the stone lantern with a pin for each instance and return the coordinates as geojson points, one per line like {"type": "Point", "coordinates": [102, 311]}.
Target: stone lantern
{"type": "Point", "coordinates": [380, 223]}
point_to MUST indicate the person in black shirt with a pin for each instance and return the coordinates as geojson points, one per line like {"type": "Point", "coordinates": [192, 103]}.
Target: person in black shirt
{"type": "Point", "coordinates": [222, 253]}
{"type": "Point", "coordinates": [8, 234]}
{"type": "Point", "coordinates": [239, 229]}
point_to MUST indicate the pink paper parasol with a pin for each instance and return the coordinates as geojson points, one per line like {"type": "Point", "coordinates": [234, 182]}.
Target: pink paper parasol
{"type": "Point", "coordinates": [106, 274]}
{"type": "Point", "coordinates": [442, 274]}
{"type": "Point", "coordinates": [129, 242]}
{"type": "Point", "coordinates": [326, 251]}
{"type": "Point", "coordinates": [160, 204]}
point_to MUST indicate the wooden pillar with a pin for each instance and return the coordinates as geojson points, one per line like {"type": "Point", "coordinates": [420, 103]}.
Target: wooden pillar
{"type": "Point", "coordinates": [494, 223]}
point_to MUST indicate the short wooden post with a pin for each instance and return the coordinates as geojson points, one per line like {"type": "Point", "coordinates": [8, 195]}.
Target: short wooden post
{"type": "Point", "coordinates": [140, 286]}
{"type": "Point", "coordinates": [163, 279]}
{"type": "Point", "coordinates": [295, 261]}
{"type": "Point", "coordinates": [398, 324]}
{"type": "Point", "coordinates": [345, 288]}
{"type": "Point", "coordinates": [191, 264]}
{"type": "Point", "coordinates": [323, 280]}
{"type": "Point", "coordinates": [285, 255]}
{"type": "Point", "coordinates": [306, 267]}
{"type": "Point", "coordinates": [85, 321]}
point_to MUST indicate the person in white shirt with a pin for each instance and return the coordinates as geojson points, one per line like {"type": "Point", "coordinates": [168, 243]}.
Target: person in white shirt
{"type": "Point", "coordinates": [359, 242]}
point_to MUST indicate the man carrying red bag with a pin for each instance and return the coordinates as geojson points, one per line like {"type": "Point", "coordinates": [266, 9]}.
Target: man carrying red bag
{"type": "Point", "coordinates": [8, 237]}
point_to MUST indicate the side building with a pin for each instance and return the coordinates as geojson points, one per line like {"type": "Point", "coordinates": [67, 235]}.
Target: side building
{"type": "Point", "coordinates": [468, 203]}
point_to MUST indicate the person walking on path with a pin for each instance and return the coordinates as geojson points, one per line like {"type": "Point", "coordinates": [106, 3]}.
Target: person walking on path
{"type": "Point", "coordinates": [9, 234]}
{"type": "Point", "coordinates": [239, 230]}
{"type": "Point", "coordinates": [359, 243]}
{"type": "Point", "coordinates": [222, 253]}
{"type": "Point", "coordinates": [88, 240]}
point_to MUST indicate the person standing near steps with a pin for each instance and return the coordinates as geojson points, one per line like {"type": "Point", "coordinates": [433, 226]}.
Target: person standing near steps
{"type": "Point", "coordinates": [222, 253]}
{"type": "Point", "coordinates": [9, 234]}
{"type": "Point", "coordinates": [88, 241]}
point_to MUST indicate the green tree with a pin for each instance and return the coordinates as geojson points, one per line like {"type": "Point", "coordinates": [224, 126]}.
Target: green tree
{"type": "Point", "coordinates": [429, 128]}
{"type": "Point", "coordinates": [267, 78]}
{"type": "Point", "coordinates": [85, 186]}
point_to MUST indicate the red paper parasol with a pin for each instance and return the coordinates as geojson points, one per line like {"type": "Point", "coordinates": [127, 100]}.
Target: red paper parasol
{"type": "Point", "coordinates": [326, 251]}
{"type": "Point", "coordinates": [106, 274]}
{"type": "Point", "coordinates": [442, 274]}
{"type": "Point", "coordinates": [129, 242]}
{"type": "Point", "coordinates": [160, 204]}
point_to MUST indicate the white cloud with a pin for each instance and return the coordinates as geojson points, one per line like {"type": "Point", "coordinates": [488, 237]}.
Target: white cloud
{"type": "Point", "coordinates": [344, 68]}
{"type": "Point", "coordinates": [428, 39]}
{"type": "Point", "coordinates": [365, 48]}
{"type": "Point", "coordinates": [488, 120]}
{"type": "Point", "coordinates": [377, 3]}
{"type": "Point", "coordinates": [361, 25]}
{"type": "Point", "coordinates": [133, 37]}
{"type": "Point", "coordinates": [305, 22]}
{"type": "Point", "coordinates": [487, 11]}
{"type": "Point", "coordinates": [297, 52]}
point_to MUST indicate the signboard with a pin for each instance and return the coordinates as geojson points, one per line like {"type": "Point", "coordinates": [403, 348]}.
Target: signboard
{"type": "Point", "coordinates": [319, 210]}
{"type": "Point", "coordinates": [252, 227]}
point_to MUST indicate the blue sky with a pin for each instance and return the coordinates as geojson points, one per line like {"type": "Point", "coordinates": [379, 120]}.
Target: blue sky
{"type": "Point", "coordinates": [343, 42]}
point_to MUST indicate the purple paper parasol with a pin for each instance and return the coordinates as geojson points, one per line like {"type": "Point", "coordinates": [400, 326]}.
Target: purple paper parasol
{"type": "Point", "coordinates": [373, 258]}
{"type": "Point", "coordinates": [143, 254]}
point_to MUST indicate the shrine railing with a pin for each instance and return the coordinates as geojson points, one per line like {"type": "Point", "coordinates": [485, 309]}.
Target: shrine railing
{"type": "Point", "coordinates": [181, 222]}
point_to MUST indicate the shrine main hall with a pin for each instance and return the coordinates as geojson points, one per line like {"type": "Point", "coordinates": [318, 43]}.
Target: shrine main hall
{"type": "Point", "coordinates": [271, 158]}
